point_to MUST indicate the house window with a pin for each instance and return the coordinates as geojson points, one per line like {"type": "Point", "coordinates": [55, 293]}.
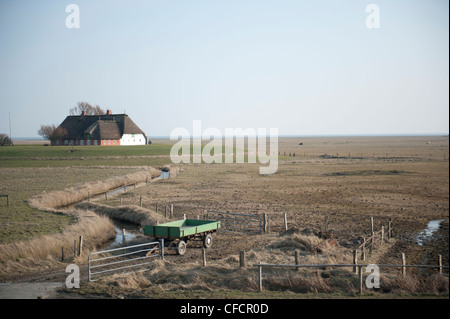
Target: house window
{"type": "Point", "coordinates": [95, 142]}
{"type": "Point", "coordinates": [81, 142]}
{"type": "Point", "coordinates": [88, 142]}
{"type": "Point", "coordinates": [114, 141]}
{"type": "Point", "coordinates": [66, 142]}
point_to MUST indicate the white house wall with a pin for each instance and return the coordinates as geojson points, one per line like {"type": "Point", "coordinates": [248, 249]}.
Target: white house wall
{"type": "Point", "coordinates": [132, 139]}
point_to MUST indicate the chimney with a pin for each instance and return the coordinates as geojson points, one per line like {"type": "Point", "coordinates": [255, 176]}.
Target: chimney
{"type": "Point", "coordinates": [108, 112]}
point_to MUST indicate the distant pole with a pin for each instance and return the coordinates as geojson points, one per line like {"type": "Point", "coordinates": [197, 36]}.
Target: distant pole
{"type": "Point", "coordinates": [10, 134]}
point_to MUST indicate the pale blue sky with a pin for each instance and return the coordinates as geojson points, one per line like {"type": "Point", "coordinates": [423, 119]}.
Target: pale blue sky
{"type": "Point", "coordinates": [304, 67]}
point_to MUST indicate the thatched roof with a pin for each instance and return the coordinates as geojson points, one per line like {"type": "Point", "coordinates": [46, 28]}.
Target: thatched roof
{"type": "Point", "coordinates": [102, 127]}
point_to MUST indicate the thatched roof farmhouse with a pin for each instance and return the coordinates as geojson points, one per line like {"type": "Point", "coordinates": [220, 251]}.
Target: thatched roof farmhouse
{"type": "Point", "coordinates": [108, 129]}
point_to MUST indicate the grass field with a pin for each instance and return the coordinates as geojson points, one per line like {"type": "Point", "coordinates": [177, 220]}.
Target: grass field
{"type": "Point", "coordinates": [20, 221]}
{"type": "Point", "coordinates": [66, 156]}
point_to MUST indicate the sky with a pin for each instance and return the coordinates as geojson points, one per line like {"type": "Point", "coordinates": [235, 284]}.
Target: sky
{"type": "Point", "coordinates": [304, 67]}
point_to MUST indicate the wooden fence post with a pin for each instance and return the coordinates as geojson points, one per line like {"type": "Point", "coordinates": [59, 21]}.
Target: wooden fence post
{"type": "Point", "coordinates": [242, 259]}
{"type": "Point", "coordinates": [260, 277]}
{"type": "Point", "coordinates": [297, 259]}
{"type": "Point", "coordinates": [204, 256]}
{"type": "Point", "coordinates": [265, 222]}
{"type": "Point", "coordinates": [403, 263]}
{"type": "Point", "coordinates": [371, 226]}
{"type": "Point", "coordinates": [140, 201]}
{"type": "Point", "coordinates": [80, 245]}
{"type": "Point", "coordinates": [285, 222]}
{"type": "Point", "coordinates": [389, 230]}
{"type": "Point", "coordinates": [62, 253]}
{"type": "Point", "coordinates": [171, 211]}
{"type": "Point", "coordinates": [440, 264]}
{"type": "Point", "coordinates": [360, 279]}
{"type": "Point", "coordinates": [363, 257]}
{"type": "Point", "coordinates": [124, 241]}
{"type": "Point", "coordinates": [372, 241]}
{"type": "Point", "coordinates": [382, 234]}
{"type": "Point", "coordinates": [74, 248]}
{"type": "Point", "coordinates": [355, 261]}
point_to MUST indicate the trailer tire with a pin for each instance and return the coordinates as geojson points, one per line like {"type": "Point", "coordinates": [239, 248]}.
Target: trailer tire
{"type": "Point", "coordinates": [181, 247]}
{"type": "Point", "coordinates": [207, 240]}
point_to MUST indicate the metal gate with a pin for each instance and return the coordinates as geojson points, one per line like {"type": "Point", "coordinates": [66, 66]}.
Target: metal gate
{"type": "Point", "coordinates": [241, 223]}
{"type": "Point", "coordinates": [124, 258]}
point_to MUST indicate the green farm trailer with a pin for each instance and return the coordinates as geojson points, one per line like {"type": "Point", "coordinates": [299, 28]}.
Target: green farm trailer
{"type": "Point", "coordinates": [177, 233]}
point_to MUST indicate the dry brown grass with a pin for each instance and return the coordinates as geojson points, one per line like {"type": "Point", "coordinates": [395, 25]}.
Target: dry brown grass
{"type": "Point", "coordinates": [435, 284]}
{"type": "Point", "coordinates": [45, 250]}
{"type": "Point", "coordinates": [76, 194]}
{"type": "Point", "coordinates": [133, 214]}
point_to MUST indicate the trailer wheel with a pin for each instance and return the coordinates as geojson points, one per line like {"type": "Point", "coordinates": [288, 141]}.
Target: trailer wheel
{"type": "Point", "coordinates": [181, 247]}
{"type": "Point", "coordinates": [207, 241]}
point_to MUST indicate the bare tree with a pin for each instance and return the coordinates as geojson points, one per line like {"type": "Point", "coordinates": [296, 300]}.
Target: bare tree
{"type": "Point", "coordinates": [46, 131]}
{"type": "Point", "coordinates": [5, 140]}
{"type": "Point", "coordinates": [51, 132]}
{"type": "Point", "coordinates": [86, 107]}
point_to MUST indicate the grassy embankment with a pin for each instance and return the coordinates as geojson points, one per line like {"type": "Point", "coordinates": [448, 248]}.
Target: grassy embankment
{"type": "Point", "coordinates": [32, 227]}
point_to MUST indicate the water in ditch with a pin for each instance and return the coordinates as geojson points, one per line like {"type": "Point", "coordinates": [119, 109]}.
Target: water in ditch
{"type": "Point", "coordinates": [127, 232]}
{"type": "Point", "coordinates": [427, 233]}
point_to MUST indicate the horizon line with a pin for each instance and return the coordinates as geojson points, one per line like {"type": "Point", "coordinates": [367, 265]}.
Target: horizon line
{"type": "Point", "coordinates": [286, 136]}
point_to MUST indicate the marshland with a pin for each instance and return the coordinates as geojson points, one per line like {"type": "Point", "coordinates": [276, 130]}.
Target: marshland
{"type": "Point", "coordinates": [347, 179]}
